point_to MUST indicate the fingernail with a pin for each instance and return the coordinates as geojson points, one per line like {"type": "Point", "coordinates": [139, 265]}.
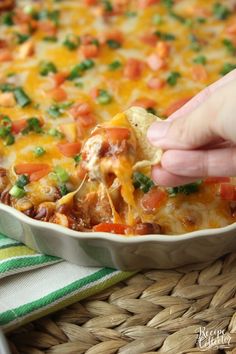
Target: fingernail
{"type": "Point", "coordinates": [158, 130]}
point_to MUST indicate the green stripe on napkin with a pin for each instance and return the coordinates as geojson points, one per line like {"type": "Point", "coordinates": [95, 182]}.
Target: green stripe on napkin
{"type": "Point", "coordinates": [15, 257]}
{"type": "Point", "coordinates": [33, 285]}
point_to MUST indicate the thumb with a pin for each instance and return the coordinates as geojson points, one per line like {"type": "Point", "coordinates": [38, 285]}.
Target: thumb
{"type": "Point", "coordinates": [209, 121]}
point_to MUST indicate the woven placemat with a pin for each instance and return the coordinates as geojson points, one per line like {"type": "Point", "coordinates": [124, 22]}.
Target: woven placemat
{"type": "Point", "coordinates": [186, 310]}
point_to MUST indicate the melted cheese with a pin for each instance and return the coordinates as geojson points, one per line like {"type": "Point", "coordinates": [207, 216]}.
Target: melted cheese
{"type": "Point", "coordinates": [78, 19]}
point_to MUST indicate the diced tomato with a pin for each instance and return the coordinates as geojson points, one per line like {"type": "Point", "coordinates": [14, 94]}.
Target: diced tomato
{"type": "Point", "coordinates": [143, 4]}
{"type": "Point", "coordinates": [80, 109]}
{"type": "Point", "coordinates": [144, 102]}
{"type": "Point", "coordinates": [88, 120]}
{"type": "Point", "coordinates": [58, 94]}
{"type": "Point", "coordinates": [5, 55]}
{"type": "Point", "coordinates": [199, 73]}
{"type": "Point", "coordinates": [212, 180]}
{"type": "Point", "coordinates": [35, 176]}
{"type": "Point", "coordinates": [89, 51]}
{"type": "Point", "coordinates": [120, 6]}
{"type": "Point", "coordinates": [176, 105]}
{"type": "Point", "coordinates": [227, 191]}
{"type": "Point", "coordinates": [115, 35]}
{"type": "Point", "coordinates": [162, 49]}
{"type": "Point", "coordinates": [3, 43]}
{"type": "Point", "coordinates": [155, 63]}
{"type": "Point", "coordinates": [155, 83]}
{"type": "Point", "coordinates": [30, 168]}
{"type": "Point", "coordinates": [20, 17]}
{"type": "Point", "coordinates": [153, 199]}
{"type": "Point", "coordinates": [94, 93]}
{"type": "Point", "coordinates": [48, 27]}
{"type": "Point", "coordinates": [133, 69]}
{"type": "Point", "coordinates": [149, 38]}
{"type": "Point", "coordinates": [90, 2]}
{"type": "Point", "coordinates": [69, 149]}
{"type": "Point", "coordinates": [18, 125]}
{"type": "Point", "coordinates": [231, 29]}
{"type": "Point", "coordinates": [113, 228]}
{"type": "Point", "coordinates": [117, 134]}
{"type": "Point", "coordinates": [86, 39]}
{"type": "Point", "coordinates": [59, 78]}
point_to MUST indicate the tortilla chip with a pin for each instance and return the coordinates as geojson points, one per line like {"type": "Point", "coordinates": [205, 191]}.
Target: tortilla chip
{"type": "Point", "coordinates": [140, 120]}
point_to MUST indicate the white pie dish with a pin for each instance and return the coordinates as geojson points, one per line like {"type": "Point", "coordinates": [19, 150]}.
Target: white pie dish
{"type": "Point", "coordinates": [117, 251]}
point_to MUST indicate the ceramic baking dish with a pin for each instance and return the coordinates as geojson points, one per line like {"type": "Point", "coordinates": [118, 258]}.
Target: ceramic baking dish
{"type": "Point", "coordinates": [120, 252]}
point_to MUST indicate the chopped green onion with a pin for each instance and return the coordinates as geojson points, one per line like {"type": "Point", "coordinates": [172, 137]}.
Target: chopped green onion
{"type": "Point", "coordinates": [189, 22]}
{"type": "Point", "coordinates": [63, 189]}
{"type": "Point", "coordinates": [142, 182]}
{"type": "Point", "coordinates": [185, 189]}
{"type": "Point", "coordinates": [62, 174]}
{"type": "Point", "coordinates": [201, 19]}
{"type": "Point", "coordinates": [4, 131]}
{"type": "Point", "coordinates": [177, 17]}
{"type": "Point", "coordinates": [7, 87]}
{"type": "Point", "coordinates": [33, 125]}
{"type": "Point", "coordinates": [55, 133]}
{"type": "Point", "coordinates": [39, 151]}
{"type": "Point", "coordinates": [201, 59]}
{"type": "Point", "coordinates": [22, 181]}
{"type": "Point", "coordinates": [116, 64]}
{"type": "Point", "coordinates": [6, 120]}
{"type": "Point", "coordinates": [95, 41]}
{"type": "Point", "coordinates": [87, 64]}
{"type": "Point", "coordinates": [107, 5]}
{"type": "Point", "coordinates": [7, 19]}
{"type": "Point", "coordinates": [51, 39]}
{"type": "Point", "coordinates": [77, 158]}
{"type": "Point", "coordinates": [45, 14]}
{"type": "Point", "coordinates": [54, 16]}
{"type": "Point", "coordinates": [113, 44]}
{"type": "Point", "coordinates": [21, 97]}
{"type": "Point", "coordinates": [230, 47]}
{"type": "Point", "coordinates": [165, 36]}
{"type": "Point", "coordinates": [21, 37]}
{"type": "Point", "coordinates": [157, 19]}
{"type": "Point", "coordinates": [130, 14]}
{"type": "Point", "coordinates": [195, 44]}
{"type": "Point", "coordinates": [168, 3]}
{"type": "Point", "coordinates": [78, 69]}
{"type": "Point", "coordinates": [54, 111]}
{"type": "Point", "coordinates": [10, 139]}
{"type": "Point", "coordinates": [227, 67]}
{"type": "Point", "coordinates": [173, 77]}
{"type": "Point", "coordinates": [29, 10]}
{"type": "Point", "coordinates": [79, 84]}
{"type": "Point", "coordinates": [220, 11]}
{"type": "Point", "coordinates": [47, 67]}
{"type": "Point", "coordinates": [17, 192]}
{"type": "Point", "coordinates": [71, 42]}
{"type": "Point", "coordinates": [104, 97]}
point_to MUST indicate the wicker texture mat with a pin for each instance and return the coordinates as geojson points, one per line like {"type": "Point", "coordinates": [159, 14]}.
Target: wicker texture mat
{"type": "Point", "coordinates": [156, 311]}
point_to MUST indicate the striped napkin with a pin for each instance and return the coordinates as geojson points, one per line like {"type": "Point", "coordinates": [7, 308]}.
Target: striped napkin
{"type": "Point", "coordinates": [33, 285]}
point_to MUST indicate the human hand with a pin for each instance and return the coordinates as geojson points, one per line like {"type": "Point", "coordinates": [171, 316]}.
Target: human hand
{"type": "Point", "coordinates": [198, 140]}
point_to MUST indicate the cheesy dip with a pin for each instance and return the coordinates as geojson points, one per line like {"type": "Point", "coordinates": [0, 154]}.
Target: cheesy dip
{"type": "Point", "coordinates": [67, 68]}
